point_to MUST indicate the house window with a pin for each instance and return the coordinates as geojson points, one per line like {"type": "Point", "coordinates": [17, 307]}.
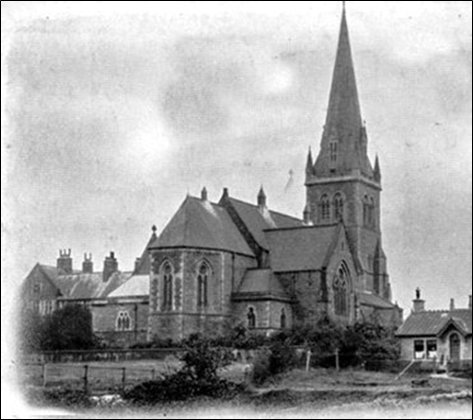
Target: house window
{"type": "Point", "coordinates": [432, 349]}
{"type": "Point", "coordinates": [419, 349]}
{"type": "Point", "coordinates": [325, 208]}
{"type": "Point", "coordinates": [251, 318]}
{"type": "Point", "coordinates": [168, 275]}
{"type": "Point", "coordinates": [338, 207]}
{"type": "Point", "coordinates": [36, 288]}
{"type": "Point", "coordinates": [283, 319]}
{"type": "Point", "coordinates": [371, 212]}
{"type": "Point", "coordinates": [123, 322]}
{"type": "Point", "coordinates": [202, 283]}
{"type": "Point", "coordinates": [340, 291]}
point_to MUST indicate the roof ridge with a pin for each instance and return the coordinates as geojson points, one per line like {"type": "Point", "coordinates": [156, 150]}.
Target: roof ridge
{"type": "Point", "coordinates": [279, 213]}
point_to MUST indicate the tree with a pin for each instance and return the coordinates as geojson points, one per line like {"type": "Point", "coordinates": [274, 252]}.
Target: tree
{"type": "Point", "coordinates": [68, 328]}
{"type": "Point", "coordinates": [31, 330]}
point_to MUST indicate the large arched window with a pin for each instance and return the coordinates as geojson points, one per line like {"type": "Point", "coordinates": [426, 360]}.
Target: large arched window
{"type": "Point", "coordinates": [338, 207]}
{"type": "Point", "coordinates": [341, 284]}
{"type": "Point", "coordinates": [325, 208]}
{"type": "Point", "coordinates": [202, 284]}
{"type": "Point", "coordinates": [251, 318]}
{"type": "Point", "coordinates": [168, 277]}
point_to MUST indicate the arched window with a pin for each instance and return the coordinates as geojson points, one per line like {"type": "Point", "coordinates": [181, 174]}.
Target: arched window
{"type": "Point", "coordinates": [371, 212]}
{"type": "Point", "coordinates": [202, 284]}
{"type": "Point", "coordinates": [338, 207]}
{"type": "Point", "coordinates": [251, 318]}
{"type": "Point", "coordinates": [333, 151]}
{"type": "Point", "coordinates": [168, 276]}
{"type": "Point", "coordinates": [283, 319]}
{"type": "Point", "coordinates": [366, 210]}
{"type": "Point", "coordinates": [341, 284]}
{"type": "Point", "coordinates": [123, 322]}
{"type": "Point", "coordinates": [325, 208]}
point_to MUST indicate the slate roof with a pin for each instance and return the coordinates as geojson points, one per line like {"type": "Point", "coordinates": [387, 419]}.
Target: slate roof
{"type": "Point", "coordinates": [262, 283]}
{"type": "Point", "coordinates": [257, 222]}
{"type": "Point", "coordinates": [431, 323]}
{"type": "Point", "coordinates": [202, 224]}
{"type": "Point", "coordinates": [301, 249]}
{"type": "Point", "coordinates": [136, 285]}
{"type": "Point", "coordinates": [374, 301]}
{"type": "Point", "coordinates": [88, 285]}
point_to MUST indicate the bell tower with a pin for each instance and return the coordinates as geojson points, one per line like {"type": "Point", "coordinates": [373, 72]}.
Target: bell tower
{"type": "Point", "coordinates": [342, 185]}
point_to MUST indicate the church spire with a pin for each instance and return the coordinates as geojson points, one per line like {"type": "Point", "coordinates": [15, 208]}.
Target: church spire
{"type": "Point", "coordinates": [377, 170]}
{"type": "Point", "coordinates": [310, 163]}
{"type": "Point", "coordinates": [343, 146]}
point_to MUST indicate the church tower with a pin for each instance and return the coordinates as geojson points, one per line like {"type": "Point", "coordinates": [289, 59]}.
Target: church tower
{"type": "Point", "coordinates": [342, 185]}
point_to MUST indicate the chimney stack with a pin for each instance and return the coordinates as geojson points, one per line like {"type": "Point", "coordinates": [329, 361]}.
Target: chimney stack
{"type": "Point", "coordinates": [419, 304]}
{"type": "Point", "coordinates": [452, 304]}
{"type": "Point", "coordinates": [64, 262]}
{"type": "Point", "coordinates": [87, 264]}
{"type": "Point", "coordinates": [110, 266]}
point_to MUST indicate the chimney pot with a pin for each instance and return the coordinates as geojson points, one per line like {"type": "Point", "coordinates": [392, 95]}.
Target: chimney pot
{"type": "Point", "coordinates": [452, 304]}
{"type": "Point", "coordinates": [64, 261]}
{"type": "Point", "coordinates": [419, 304]}
{"type": "Point", "coordinates": [203, 194]}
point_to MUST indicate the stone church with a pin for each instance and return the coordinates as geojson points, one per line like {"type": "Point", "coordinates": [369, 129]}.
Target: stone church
{"type": "Point", "coordinates": [220, 264]}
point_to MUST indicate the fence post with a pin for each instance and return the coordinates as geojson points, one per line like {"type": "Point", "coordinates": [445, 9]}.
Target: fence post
{"type": "Point", "coordinates": [307, 363]}
{"type": "Point", "coordinates": [337, 359]}
{"type": "Point", "coordinates": [123, 378]}
{"type": "Point", "coordinates": [86, 377]}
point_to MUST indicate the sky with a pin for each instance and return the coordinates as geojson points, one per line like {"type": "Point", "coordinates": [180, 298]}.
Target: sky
{"type": "Point", "coordinates": [112, 112]}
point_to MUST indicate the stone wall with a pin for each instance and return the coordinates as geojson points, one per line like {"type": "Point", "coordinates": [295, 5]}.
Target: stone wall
{"type": "Point", "coordinates": [105, 316]}
{"type": "Point", "coordinates": [187, 316]}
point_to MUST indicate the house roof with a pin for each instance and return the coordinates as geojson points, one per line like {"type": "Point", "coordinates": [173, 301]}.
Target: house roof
{"type": "Point", "coordinates": [89, 285]}
{"type": "Point", "coordinates": [368, 299]}
{"type": "Point", "coordinates": [257, 221]}
{"type": "Point", "coordinates": [301, 249]}
{"type": "Point", "coordinates": [136, 285]}
{"type": "Point", "coordinates": [202, 224]}
{"type": "Point", "coordinates": [432, 323]}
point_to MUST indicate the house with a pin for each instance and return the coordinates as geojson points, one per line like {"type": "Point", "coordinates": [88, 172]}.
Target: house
{"type": "Point", "coordinates": [444, 336]}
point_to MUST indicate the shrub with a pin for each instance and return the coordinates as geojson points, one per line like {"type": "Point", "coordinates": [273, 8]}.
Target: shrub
{"type": "Point", "coordinates": [59, 397]}
{"type": "Point", "coordinates": [68, 328]}
{"type": "Point", "coordinates": [279, 358]}
{"type": "Point", "coordinates": [198, 377]}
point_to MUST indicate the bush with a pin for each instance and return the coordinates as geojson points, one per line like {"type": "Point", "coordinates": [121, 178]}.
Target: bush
{"type": "Point", "coordinates": [59, 397]}
{"type": "Point", "coordinates": [279, 358]}
{"type": "Point", "coordinates": [68, 328]}
{"type": "Point", "coordinates": [198, 377]}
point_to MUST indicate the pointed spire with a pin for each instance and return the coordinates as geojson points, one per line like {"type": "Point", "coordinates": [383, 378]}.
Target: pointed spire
{"type": "Point", "coordinates": [261, 197]}
{"type": "Point", "coordinates": [153, 230]}
{"type": "Point", "coordinates": [203, 194]}
{"type": "Point", "coordinates": [377, 170]}
{"type": "Point", "coordinates": [310, 163]}
{"type": "Point", "coordinates": [344, 141]}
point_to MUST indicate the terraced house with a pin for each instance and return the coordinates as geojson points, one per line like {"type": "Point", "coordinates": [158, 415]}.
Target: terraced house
{"type": "Point", "coordinates": [229, 262]}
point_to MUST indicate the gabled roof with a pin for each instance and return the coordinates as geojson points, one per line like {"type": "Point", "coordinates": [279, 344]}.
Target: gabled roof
{"type": "Point", "coordinates": [89, 285]}
{"type": "Point", "coordinates": [262, 283]}
{"type": "Point", "coordinates": [374, 301]}
{"type": "Point", "coordinates": [302, 249]}
{"type": "Point", "coordinates": [202, 224]}
{"type": "Point", "coordinates": [432, 323]}
{"type": "Point", "coordinates": [257, 221]}
{"type": "Point", "coordinates": [136, 285]}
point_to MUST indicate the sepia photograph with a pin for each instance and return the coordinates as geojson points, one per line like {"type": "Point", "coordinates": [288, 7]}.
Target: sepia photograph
{"type": "Point", "coordinates": [236, 209]}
